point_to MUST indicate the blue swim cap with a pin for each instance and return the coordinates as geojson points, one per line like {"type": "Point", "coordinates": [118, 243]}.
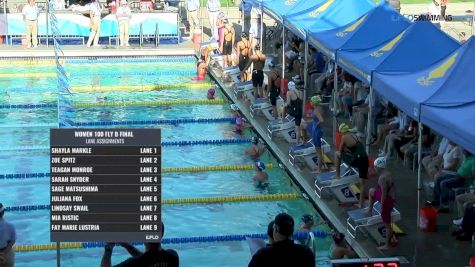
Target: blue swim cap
{"type": "Point", "coordinates": [211, 91]}
{"type": "Point", "coordinates": [260, 165]}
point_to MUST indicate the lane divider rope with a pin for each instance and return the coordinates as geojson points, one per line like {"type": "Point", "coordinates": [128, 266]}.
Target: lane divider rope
{"type": "Point", "coordinates": [165, 143]}
{"type": "Point", "coordinates": [204, 200]}
{"type": "Point", "coordinates": [170, 240]}
{"type": "Point", "coordinates": [164, 170]}
{"type": "Point", "coordinates": [111, 104]}
{"type": "Point", "coordinates": [38, 61]}
{"type": "Point", "coordinates": [139, 87]}
{"type": "Point", "coordinates": [109, 123]}
{"type": "Point", "coordinates": [103, 74]}
{"type": "Point", "coordinates": [148, 122]}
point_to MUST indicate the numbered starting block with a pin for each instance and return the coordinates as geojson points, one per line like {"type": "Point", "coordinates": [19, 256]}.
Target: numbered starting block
{"type": "Point", "coordinates": [306, 150]}
{"type": "Point", "coordinates": [231, 74]}
{"type": "Point", "coordinates": [240, 88]}
{"type": "Point", "coordinates": [312, 159]}
{"type": "Point", "coordinates": [341, 188]}
{"type": "Point", "coordinates": [277, 125]}
{"type": "Point", "coordinates": [217, 61]}
{"type": "Point", "coordinates": [373, 225]}
{"type": "Point", "coordinates": [260, 104]}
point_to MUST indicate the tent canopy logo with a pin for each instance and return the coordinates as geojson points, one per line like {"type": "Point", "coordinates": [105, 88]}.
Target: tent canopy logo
{"type": "Point", "coordinates": [290, 2]}
{"type": "Point", "coordinates": [389, 46]}
{"type": "Point", "coordinates": [321, 8]}
{"type": "Point", "coordinates": [351, 28]}
{"type": "Point", "coordinates": [438, 72]}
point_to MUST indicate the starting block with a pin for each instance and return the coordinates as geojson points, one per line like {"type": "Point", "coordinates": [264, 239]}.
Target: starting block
{"type": "Point", "coordinates": [373, 225]}
{"type": "Point", "coordinates": [341, 188]}
{"type": "Point", "coordinates": [277, 125]}
{"type": "Point", "coordinates": [241, 87]}
{"type": "Point", "coordinates": [259, 104]}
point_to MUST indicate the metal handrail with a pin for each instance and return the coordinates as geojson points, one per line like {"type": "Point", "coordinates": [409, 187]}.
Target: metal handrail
{"type": "Point", "coordinates": [157, 35]}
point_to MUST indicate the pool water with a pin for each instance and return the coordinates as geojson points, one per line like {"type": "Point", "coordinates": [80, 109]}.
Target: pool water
{"type": "Point", "coordinates": [186, 220]}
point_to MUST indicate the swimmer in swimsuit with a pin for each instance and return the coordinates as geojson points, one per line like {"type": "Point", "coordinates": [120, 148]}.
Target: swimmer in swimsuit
{"type": "Point", "coordinates": [353, 153]}
{"type": "Point", "coordinates": [385, 194]}
{"type": "Point", "coordinates": [261, 176]}
{"type": "Point", "coordinates": [227, 42]}
{"type": "Point", "coordinates": [243, 51]}
{"type": "Point", "coordinates": [210, 94]}
{"type": "Point", "coordinates": [254, 150]}
{"type": "Point", "coordinates": [200, 69]}
{"type": "Point", "coordinates": [257, 60]}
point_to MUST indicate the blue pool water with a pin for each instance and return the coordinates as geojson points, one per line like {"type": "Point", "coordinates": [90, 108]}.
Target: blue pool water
{"type": "Point", "coordinates": [180, 220]}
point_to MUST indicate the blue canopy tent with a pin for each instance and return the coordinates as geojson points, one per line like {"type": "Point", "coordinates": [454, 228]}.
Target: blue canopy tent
{"type": "Point", "coordinates": [445, 83]}
{"type": "Point", "coordinates": [450, 108]}
{"type": "Point", "coordinates": [297, 20]}
{"type": "Point", "coordinates": [417, 47]}
{"type": "Point", "coordinates": [378, 26]}
{"type": "Point", "coordinates": [420, 46]}
{"type": "Point", "coordinates": [277, 9]}
{"type": "Point", "coordinates": [331, 15]}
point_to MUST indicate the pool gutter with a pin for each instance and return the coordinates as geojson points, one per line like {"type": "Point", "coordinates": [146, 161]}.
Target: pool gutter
{"type": "Point", "coordinates": [291, 170]}
{"type": "Point", "coordinates": [82, 51]}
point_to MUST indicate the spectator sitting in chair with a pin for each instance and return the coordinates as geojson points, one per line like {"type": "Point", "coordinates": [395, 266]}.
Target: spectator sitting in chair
{"type": "Point", "coordinates": [432, 162]}
{"type": "Point", "coordinates": [444, 183]}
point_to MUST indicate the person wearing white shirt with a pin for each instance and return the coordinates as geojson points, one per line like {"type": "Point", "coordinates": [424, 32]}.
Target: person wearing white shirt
{"type": "Point", "coordinates": [214, 7]}
{"type": "Point", "coordinates": [30, 16]}
{"type": "Point", "coordinates": [123, 15]}
{"type": "Point", "coordinates": [255, 32]}
{"type": "Point", "coordinates": [434, 11]}
{"type": "Point", "coordinates": [192, 7]}
{"type": "Point", "coordinates": [95, 10]}
{"type": "Point", "coordinates": [7, 240]}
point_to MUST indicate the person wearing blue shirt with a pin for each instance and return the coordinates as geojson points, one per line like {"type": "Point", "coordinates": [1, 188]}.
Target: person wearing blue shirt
{"type": "Point", "coordinates": [245, 7]}
{"type": "Point", "coordinates": [192, 7]}
{"type": "Point", "coordinates": [214, 7]}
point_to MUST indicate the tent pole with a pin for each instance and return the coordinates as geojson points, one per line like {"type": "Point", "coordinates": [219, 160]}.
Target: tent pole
{"type": "Point", "coordinates": [473, 19]}
{"type": "Point", "coordinates": [370, 115]}
{"type": "Point", "coordinates": [305, 78]}
{"type": "Point", "coordinates": [283, 50]}
{"type": "Point", "coordinates": [419, 162]}
{"type": "Point", "coordinates": [262, 27]}
{"type": "Point", "coordinates": [305, 65]}
{"type": "Point", "coordinates": [335, 85]}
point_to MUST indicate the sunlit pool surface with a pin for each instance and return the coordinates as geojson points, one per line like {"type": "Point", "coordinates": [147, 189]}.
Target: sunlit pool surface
{"type": "Point", "coordinates": [180, 220]}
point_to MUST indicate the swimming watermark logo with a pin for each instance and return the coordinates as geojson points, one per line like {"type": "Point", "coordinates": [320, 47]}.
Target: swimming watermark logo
{"type": "Point", "coordinates": [424, 17]}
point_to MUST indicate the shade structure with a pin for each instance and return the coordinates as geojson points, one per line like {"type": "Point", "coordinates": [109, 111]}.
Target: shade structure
{"type": "Point", "coordinates": [446, 82]}
{"type": "Point", "coordinates": [329, 15]}
{"type": "Point", "coordinates": [417, 47]}
{"type": "Point", "coordinates": [374, 28]}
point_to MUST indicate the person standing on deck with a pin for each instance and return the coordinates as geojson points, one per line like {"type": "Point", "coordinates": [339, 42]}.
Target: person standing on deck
{"type": "Point", "coordinates": [123, 14]}
{"type": "Point", "coordinates": [30, 14]}
{"type": "Point", "coordinates": [258, 60]}
{"type": "Point", "coordinates": [95, 10]}
{"type": "Point", "coordinates": [7, 240]}
{"type": "Point", "coordinates": [192, 7]}
{"type": "Point", "coordinates": [214, 7]}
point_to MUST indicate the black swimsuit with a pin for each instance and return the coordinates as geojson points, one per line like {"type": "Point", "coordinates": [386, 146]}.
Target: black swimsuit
{"type": "Point", "coordinates": [244, 59]}
{"type": "Point", "coordinates": [227, 45]}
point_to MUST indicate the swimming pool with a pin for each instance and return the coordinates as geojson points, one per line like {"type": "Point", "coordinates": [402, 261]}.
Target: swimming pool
{"type": "Point", "coordinates": [187, 220]}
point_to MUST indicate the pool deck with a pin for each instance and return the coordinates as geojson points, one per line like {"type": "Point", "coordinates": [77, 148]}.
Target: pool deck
{"type": "Point", "coordinates": [418, 248]}
{"type": "Point", "coordinates": [185, 48]}
{"type": "Point", "coordinates": [415, 248]}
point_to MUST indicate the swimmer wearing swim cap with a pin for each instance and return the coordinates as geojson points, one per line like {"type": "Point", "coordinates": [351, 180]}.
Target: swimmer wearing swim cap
{"type": "Point", "coordinates": [260, 176]}
{"type": "Point", "coordinates": [308, 222]}
{"type": "Point", "coordinates": [211, 93]}
{"type": "Point", "coordinates": [255, 151]}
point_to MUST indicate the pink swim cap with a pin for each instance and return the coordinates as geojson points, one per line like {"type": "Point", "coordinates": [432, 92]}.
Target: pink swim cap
{"type": "Point", "coordinates": [211, 91]}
